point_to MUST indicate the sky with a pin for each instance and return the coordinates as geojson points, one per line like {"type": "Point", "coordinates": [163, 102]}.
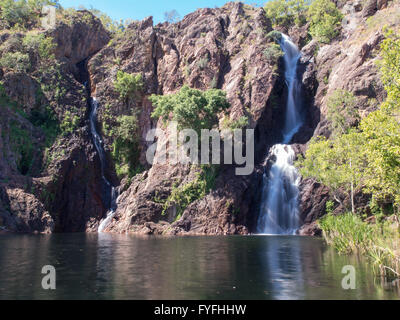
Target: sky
{"type": "Point", "coordinates": [140, 9]}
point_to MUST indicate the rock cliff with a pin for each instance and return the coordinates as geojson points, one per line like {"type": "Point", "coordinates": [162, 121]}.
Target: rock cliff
{"type": "Point", "coordinates": [55, 185]}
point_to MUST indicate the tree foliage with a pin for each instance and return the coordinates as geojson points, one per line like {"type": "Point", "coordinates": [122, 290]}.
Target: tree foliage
{"type": "Point", "coordinates": [191, 108]}
{"type": "Point", "coordinates": [342, 112]}
{"type": "Point", "coordinates": [128, 85]}
{"type": "Point", "coordinates": [125, 147]}
{"type": "Point", "coordinates": [369, 157]}
{"type": "Point", "coordinates": [325, 19]}
{"type": "Point", "coordinates": [22, 13]}
{"type": "Point", "coordinates": [286, 12]}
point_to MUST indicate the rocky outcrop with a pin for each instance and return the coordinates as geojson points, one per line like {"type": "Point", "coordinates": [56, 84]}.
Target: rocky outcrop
{"type": "Point", "coordinates": [80, 38]}
{"type": "Point", "coordinates": [50, 186]}
{"type": "Point", "coordinates": [222, 48]}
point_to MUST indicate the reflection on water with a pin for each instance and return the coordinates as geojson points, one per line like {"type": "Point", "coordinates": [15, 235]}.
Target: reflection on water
{"type": "Point", "coordinates": [123, 267]}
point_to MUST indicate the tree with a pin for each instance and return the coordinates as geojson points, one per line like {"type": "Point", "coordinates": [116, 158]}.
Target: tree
{"type": "Point", "coordinates": [338, 164]}
{"type": "Point", "coordinates": [286, 12]}
{"type": "Point", "coordinates": [128, 85]}
{"type": "Point", "coordinates": [381, 131]}
{"type": "Point", "coordinates": [342, 112]}
{"type": "Point", "coordinates": [125, 147]}
{"type": "Point", "coordinates": [390, 70]}
{"type": "Point", "coordinates": [369, 157]}
{"type": "Point", "coordinates": [325, 19]}
{"type": "Point", "coordinates": [172, 16]}
{"type": "Point", "coordinates": [111, 25]}
{"type": "Point", "coordinates": [191, 108]}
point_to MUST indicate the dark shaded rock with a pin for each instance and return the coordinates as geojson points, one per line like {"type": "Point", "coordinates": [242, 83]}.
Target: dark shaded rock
{"type": "Point", "coordinates": [80, 39]}
{"type": "Point", "coordinates": [311, 229]}
{"type": "Point", "coordinates": [370, 8]}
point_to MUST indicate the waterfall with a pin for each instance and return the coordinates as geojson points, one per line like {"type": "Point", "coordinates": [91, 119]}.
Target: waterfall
{"type": "Point", "coordinates": [279, 212]}
{"type": "Point", "coordinates": [94, 106]}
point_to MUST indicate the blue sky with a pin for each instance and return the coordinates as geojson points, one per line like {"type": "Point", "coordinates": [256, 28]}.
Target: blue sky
{"type": "Point", "coordinates": [139, 9]}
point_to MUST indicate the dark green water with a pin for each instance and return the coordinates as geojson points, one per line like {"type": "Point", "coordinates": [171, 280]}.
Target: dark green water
{"type": "Point", "coordinates": [125, 267]}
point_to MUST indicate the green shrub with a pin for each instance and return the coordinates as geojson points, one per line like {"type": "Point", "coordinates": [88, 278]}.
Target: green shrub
{"type": "Point", "coordinates": [240, 123]}
{"type": "Point", "coordinates": [191, 108]}
{"type": "Point", "coordinates": [41, 44]}
{"type": "Point", "coordinates": [113, 26]}
{"type": "Point", "coordinates": [203, 63]}
{"type": "Point", "coordinates": [329, 207]}
{"type": "Point", "coordinates": [273, 52]}
{"type": "Point", "coordinates": [70, 123]}
{"type": "Point", "coordinates": [48, 122]}
{"type": "Point", "coordinates": [125, 147]}
{"type": "Point", "coordinates": [128, 85]}
{"type": "Point", "coordinates": [325, 19]}
{"type": "Point", "coordinates": [13, 44]}
{"type": "Point", "coordinates": [286, 12]}
{"type": "Point", "coordinates": [342, 111]}
{"type": "Point", "coordinates": [21, 13]}
{"type": "Point", "coordinates": [21, 144]}
{"type": "Point", "coordinates": [347, 233]}
{"type": "Point", "coordinates": [182, 196]}
{"type": "Point", "coordinates": [16, 61]}
{"type": "Point", "coordinates": [275, 36]}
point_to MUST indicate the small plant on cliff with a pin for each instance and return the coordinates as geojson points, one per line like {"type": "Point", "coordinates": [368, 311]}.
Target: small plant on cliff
{"type": "Point", "coordinates": [203, 63]}
{"type": "Point", "coordinates": [21, 144]}
{"type": "Point", "coordinates": [128, 85]}
{"type": "Point", "coordinates": [273, 52]}
{"type": "Point", "coordinates": [41, 44]}
{"type": "Point", "coordinates": [241, 123]}
{"type": "Point", "coordinates": [191, 108]}
{"type": "Point", "coordinates": [342, 112]}
{"type": "Point", "coordinates": [125, 147]}
{"type": "Point", "coordinates": [325, 19]}
{"type": "Point", "coordinates": [274, 36]}
{"type": "Point", "coordinates": [70, 123]}
{"type": "Point", "coordinates": [16, 61]}
{"type": "Point", "coordinates": [182, 196]}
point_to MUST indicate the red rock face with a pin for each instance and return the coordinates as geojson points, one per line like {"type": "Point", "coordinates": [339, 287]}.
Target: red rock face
{"type": "Point", "coordinates": [221, 48]}
{"type": "Point", "coordinates": [63, 195]}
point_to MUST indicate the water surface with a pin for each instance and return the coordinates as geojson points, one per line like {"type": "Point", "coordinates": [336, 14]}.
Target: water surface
{"type": "Point", "coordinates": [125, 267]}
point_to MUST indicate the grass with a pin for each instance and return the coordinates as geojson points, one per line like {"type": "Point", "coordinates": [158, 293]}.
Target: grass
{"type": "Point", "coordinates": [380, 242]}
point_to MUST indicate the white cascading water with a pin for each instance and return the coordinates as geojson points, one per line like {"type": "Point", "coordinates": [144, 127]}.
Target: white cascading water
{"type": "Point", "coordinates": [94, 105]}
{"type": "Point", "coordinates": [279, 211]}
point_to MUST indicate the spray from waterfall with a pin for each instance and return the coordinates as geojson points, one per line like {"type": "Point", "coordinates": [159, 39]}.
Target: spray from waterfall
{"type": "Point", "coordinates": [94, 106]}
{"type": "Point", "coordinates": [279, 212]}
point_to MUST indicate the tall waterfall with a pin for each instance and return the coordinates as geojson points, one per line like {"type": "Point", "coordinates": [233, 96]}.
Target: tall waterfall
{"type": "Point", "coordinates": [94, 105]}
{"type": "Point", "coordinates": [279, 212]}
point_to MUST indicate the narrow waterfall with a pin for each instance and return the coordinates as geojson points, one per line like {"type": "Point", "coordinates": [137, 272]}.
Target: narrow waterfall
{"type": "Point", "coordinates": [94, 105]}
{"type": "Point", "coordinates": [279, 211]}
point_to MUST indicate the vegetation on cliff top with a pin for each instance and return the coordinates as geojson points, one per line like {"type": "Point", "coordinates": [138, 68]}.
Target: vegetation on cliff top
{"type": "Point", "coordinates": [323, 16]}
{"type": "Point", "coordinates": [22, 14]}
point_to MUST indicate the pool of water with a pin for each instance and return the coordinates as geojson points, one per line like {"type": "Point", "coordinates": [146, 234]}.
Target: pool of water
{"type": "Point", "coordinates": [125, 267]}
